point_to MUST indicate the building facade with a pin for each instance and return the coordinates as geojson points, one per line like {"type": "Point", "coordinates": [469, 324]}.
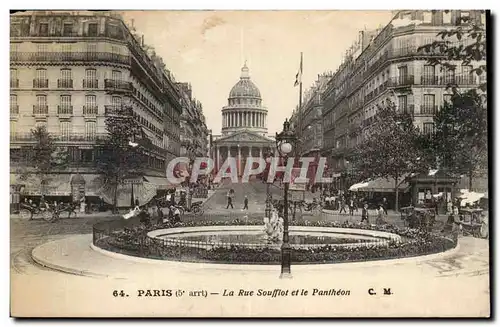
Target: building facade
{"type": "Point", "coordinates": [194, 131]}
{"type": "Point", "coordinates": [244, 125]}
{"type": "Point", "coordinates": [68, 71]}
{"type": "Point", "coordinates": [385, 66]}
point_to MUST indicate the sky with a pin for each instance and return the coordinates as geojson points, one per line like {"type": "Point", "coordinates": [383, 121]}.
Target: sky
{"type": "Point", "coordinates": [208, 49]}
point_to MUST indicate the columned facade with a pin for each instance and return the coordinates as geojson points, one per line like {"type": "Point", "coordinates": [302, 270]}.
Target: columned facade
{"type": "Point", "coordinates": [244, 126]}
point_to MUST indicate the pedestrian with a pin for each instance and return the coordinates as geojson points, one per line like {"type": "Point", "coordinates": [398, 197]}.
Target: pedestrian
{"type": "Point", "coordinates": [364, 213]}
{"type": "Point", "coordinates": [245, 207]}
{"type": "Point", "coordinates": [342, 205]}
{"type": "Point", "coordinates": [380, 216]}
{"type": "Point", "coordinates": [229, 200]}
{"type": "Point", "coordinates": [351, 207]}
{"type": "Point", "coordinates": [136, 202]}
{"type": "Point", "coordinates": [384, 205]}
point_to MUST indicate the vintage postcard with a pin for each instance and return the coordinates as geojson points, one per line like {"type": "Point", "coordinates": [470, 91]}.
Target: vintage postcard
{"type": "Point", "coordinates": [249, 164]}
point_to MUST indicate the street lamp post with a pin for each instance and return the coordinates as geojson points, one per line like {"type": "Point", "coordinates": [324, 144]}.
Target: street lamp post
{"type": "Point", "coordinates": [285, 142]}
{"type": "Point", "coordinates": [268, 191]}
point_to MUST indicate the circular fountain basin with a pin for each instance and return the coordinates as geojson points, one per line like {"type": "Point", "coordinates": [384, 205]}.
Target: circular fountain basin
{"type": "Point", "coordinates": [255, 237]}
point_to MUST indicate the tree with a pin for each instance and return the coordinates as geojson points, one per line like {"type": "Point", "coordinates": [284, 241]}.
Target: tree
{"type": "Point", "coordinates": [461, 138]}
{"type": "Point", "coordinates": [392, 148]}
{"type": "Point", "coordinates": [461, 126]}
{"type": "Point", "coordinates": [466, 43]}
{"type": "Point", "coordinates": [122, 153]}
{"type": "Point", "coordinates": [44, 157]}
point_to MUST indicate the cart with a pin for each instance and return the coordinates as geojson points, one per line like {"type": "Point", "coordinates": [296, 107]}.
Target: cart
{"type": "Point", "coordinates": [473, 222]}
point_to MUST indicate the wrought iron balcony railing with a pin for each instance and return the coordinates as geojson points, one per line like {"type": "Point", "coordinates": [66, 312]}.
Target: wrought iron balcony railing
{"type": "Point", "coordinates": [90, 83]}
{"type": "Point", "coordinates": [90, 110]}
{"type": "Point", "coordinates": [40, 83]}
{"type": "Point", "coordinates": [39, 109]}
{"type": "Point", "coordinates": [69, 56]}
{"type": "Point", "coordinates": [67, 137]}
{"type": "Point", "coordinates": [64, 110]}
{"type": "Point", "coordinates": [64, 83]}
{"type": "Point", "coordinates": [117, 85]}
{"type": "Point", "coordinates": [429, 80]}
{"type": "Point", "coordinates": [14, 83]}
{"type": "Point", "coordinates": [14, 109]}
{"type": "Point", "coordinates": [428, 109]}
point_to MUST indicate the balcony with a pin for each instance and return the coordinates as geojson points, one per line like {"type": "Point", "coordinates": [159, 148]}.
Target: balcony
{"type": "Point", "coordinates": [40, 83]}
{"type": "Point", "coordinates": [64, 83]}
{"type": "Point", "coordinates": [408, 109]}
{"type": "Point", "coordinates": [40, 110]}
{"type": "Point", "coordinates": [65, 110]}
{"type": "Point", "coordinates": [428, 110]}
{"type": "Point", "coordinates": [465, 80]}
{"type": "Point", "coordinates": [430, 80]}
{"type": "Point", "coordinates": [90, 110]}
{"type": "Point", "coordinates": [117, 85]}
{"type": "Point", "coordinates": [90, 83]}
{"type": "Point", "coordinates": [14, 83]}
{"type": "Point", "coordinates": [111, 109]}
{"type": "Point", "coordinates": [401, 81]}
{"type": "Point", "coordinates": [14, 109]}
{"type": "Point", "coordinates": [70, 137]}
{"type": "Point", "coordinates": [69, 56]}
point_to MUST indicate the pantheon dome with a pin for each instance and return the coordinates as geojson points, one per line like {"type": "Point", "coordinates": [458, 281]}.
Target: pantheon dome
{"type": "Point", "coordinates": [244, 110]}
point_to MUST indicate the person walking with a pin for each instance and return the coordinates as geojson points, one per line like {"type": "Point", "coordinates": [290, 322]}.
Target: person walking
{"type": "Point", "coordinates": [342, 205]}
{"type": "Point", "coordinates": [384, 205]}
{"type": "Point", "coordinates": [351, 207]}
{"type": "Point", "coordinates": [245, 206]}
{"type": "Point", "coordinates": [229, 200]}
{"type": "Point", "coordinates": [364, 213]}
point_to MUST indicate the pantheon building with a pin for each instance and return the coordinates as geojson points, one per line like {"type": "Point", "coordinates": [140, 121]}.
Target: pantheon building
{"type": "Point", "coordinates": [244, 125]}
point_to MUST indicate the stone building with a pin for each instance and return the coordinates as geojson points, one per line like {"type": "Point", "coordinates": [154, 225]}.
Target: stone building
{"type": "Point", "coordinates": [68, 71]}
{"type": "Point", "coordinates": [385, 66]}
{"type": "Point", "coordinates": [244, 125]}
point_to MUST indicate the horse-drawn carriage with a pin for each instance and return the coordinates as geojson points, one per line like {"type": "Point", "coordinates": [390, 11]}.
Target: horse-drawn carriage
{"type": "Point", "coordinates": [419, 217]}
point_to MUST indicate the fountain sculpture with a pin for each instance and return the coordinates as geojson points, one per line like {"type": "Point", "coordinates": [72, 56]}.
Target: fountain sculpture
{"type": "Point", "coordinates": [273, 227]}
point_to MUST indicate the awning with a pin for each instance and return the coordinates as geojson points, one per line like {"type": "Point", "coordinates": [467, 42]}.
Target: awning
{"type": "Point", "coordinates": [161, 183]}
{"type": "Point", "coordinates": [379, 185]}
{"type": "Point", "coordinates": [143, 192]}
{"type": "Point", "coordinates": [469, 197]}
{"type": "Point", "coordinates": [56, 184]}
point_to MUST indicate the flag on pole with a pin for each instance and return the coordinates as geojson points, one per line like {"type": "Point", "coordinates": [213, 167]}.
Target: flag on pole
{"type": "Point", "coordinates": [298, 77]}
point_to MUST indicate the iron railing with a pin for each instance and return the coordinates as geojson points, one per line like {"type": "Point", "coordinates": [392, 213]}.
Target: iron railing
{"type": "Point", "coordinates": [69, 56]}
{"type": "Point", "coordinates": [40, 83]}
{"type": "Point", "coordinates": [65, 110]}
{"type": "Point", "coordinates": [64, 83]}
{"type": "Point", "coordinates": [90, 83]}
{"type": "Point", "coordinates": [14, 83]}
{"type": "Point", "coordinates": [90, 110]}
{"type": "Point", "coordinates": [40, 109]}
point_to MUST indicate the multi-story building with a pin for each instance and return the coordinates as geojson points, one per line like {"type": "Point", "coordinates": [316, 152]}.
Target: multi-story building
{"type": "Point", "coordinates": [68, 71]}
{"type": "Point", "coordinates": [307, 122]}
{"type": "Point", "coordinates": [194, 131]}
{"type": "Point", "coordinates": [385, 66]}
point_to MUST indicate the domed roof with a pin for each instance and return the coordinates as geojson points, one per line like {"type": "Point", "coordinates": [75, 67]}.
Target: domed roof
{"type": "Point", "coordinates": [245, 87]}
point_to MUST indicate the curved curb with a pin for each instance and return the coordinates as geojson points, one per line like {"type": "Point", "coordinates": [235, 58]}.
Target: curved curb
{"type": "Point", "coordinates": [73, 271]}
{"type": "Point", "coordinates": [308, 267]}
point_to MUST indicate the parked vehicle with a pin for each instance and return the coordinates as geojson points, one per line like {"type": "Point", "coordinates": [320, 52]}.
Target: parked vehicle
{"type": "Point", "coordinates": [474, 223]}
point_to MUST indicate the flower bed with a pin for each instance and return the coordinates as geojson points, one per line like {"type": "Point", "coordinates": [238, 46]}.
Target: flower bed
{"type": "Point", "coordinates": [134, 241]}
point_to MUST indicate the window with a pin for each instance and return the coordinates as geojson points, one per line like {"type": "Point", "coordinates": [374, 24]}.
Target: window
{"type": "Point", "coordinates": [15, 30]}
{"type": "Point", "coordinates": [402, 74]}
{"type": "Point", "coordinates": [13, 128]}
{"type": "Point", "coordinates": [43, 29]}
{"type": "Point", "coordinates": [116, 75]}
{"type": "Point", "coordinates": [428, 128]}
{"type": "Point", "coordinates": [428, 105]}
{"type": "Point", "coordinates": [42, 47]}
{"type": "Point", "coordinates": [449, 76]}
{"type": "Point", "coordinates": [112, 30]}
{"type": "Point", "coordinates": [447, 17]}
{"type": "Point", "coordinates": [116, 101]}
{"type": "Point", "coordinates": [66, 74]}
{"type": "Point", "coordinates": [90, 100]}
{"type": "Point", "coordinates": [483, 18]}
{"type": "Point", "coordinates": [65, 100]}
{"type": "Point", "coordinates": [14, 48]}
{"type": "Point", "coordinates": [90, 74]}
{"type": "Point", "coordinates": [115, 50]}
{"type": "Point", "coordinates": [464, 17]}
{"type": "Point", "coordinates": [91, 47]}
{"type": "Point", "coordinates": [14, 80]}
{"type": "Point", "coordinates": [427, 17]}
{"type": "Point", "coordinates": [429, 75]}
{"type": "Point", "coordinates": [41, 100]}
{"type": "Point", "coordinates": [65, 128]}
{"type": "Point", "coordinates": [403, 103]}
{"type": "Point", "coordinates": [467, 77]}
{"type": "Point", "coordinates": [67, 29]}
{"type": "Point", "coordinates": [90, 130]}
{"type": "Point", "coordinates": [14, 109]}
{"type": "Point", "coordinates": [41, 74]}
{"type": "Point", "coordinates": [92, 29]}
